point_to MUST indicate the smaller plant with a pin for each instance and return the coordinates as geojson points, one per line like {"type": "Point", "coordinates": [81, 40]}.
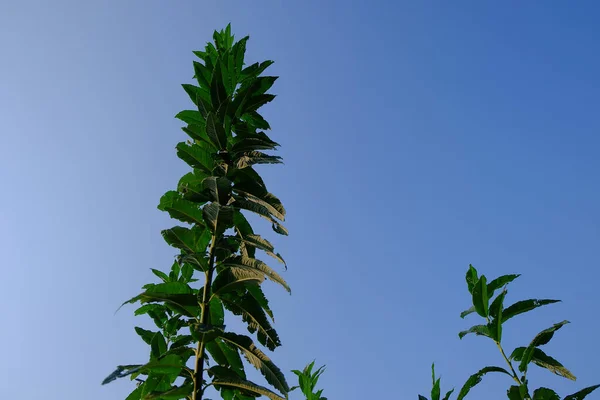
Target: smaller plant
{"type": "Point", "coordinates": [307, 381]}
{"type": "Point", "coordinates": [495, 315]}
{"type": "Point", "coordinates": [435, 389]}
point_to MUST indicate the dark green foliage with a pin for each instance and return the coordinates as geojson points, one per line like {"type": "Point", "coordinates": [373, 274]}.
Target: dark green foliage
{"type": "Point", "coordinates": [494, 316]}
{"type": "Point", "coordinates": [216, 241]}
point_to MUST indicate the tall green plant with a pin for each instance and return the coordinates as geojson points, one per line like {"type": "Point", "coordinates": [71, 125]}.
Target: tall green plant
{"type": "Point", "coordinates": [494, 315]}
{"type": "Point", "coordinates": [192, 350]}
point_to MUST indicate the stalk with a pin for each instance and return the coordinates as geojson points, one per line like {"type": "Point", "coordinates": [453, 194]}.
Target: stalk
{"type": "Point", "coordinates": [204, 307]}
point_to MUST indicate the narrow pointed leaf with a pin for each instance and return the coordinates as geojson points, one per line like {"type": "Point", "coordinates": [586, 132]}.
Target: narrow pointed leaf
{"type": "Point", "coordinates": [175, 393]}
{"type": "Point", "coordinates": [435, 390]}
{"type": "Point", "coordinates": [480, 330]}
{"type": "Point", "coordinates": [271, 209]}
{"type": "Point", "coordinates": [467, 312]}
{"type": "Point", "coordinates": [255, 265]}
{"type": "Point", "coordinates": [496, 314]}
{"type": "Point", "coordinates": [216, 132]}
{"type": "Point", "coordinates": [145, 334]}
{"type": "Point", "coordinates": [202, 74]}
{"type": "Point", "coordinates": [582, 393]}
{"type": "Point", "coordinates": [254, 315]}
{"type": "Point", "coordinates": [259, 360]}
{"type": "Point", "coordinates": [249, 158]}
{"type": "Point", "coordinates": [540, 339]}
{"type": "Point", "coordinates": [235, 278]}
{"type": "Point", "coordinates": [524, 306]}
{"type": "Point", "coordinates": [248, 386]}
{"type": "Point", "coordinates": [480, 297]}
{"type": "Point", "coordinates": [500, 282]}
{"type": "Point", "coordinates": [476, 378]}
{"type": "Point", "coordinates": [226, 355]}
{"type": "Point", "coordinates": [471, 278]}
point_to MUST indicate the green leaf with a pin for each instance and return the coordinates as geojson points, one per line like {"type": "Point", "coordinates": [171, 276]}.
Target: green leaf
{"type": "Point", "coordinates": [476, 378]}
{"type": "Point", "coordinates": [217, 313]}
{"type": "Point", "coordinates": [146, 335]}
{"type": "Point", "coordinates": [543, 360]}
{"type": "Point", "coordinates": [218, 93]}
{"type": "Point", "coordinates": [136, 394]}
{"type": "Point", "coordinates": [480, 297]}
{"type": "Point", "coordinates": [181, 341]}
{"type": "Point", "coordinates": [256, 120]}
{"type": "Point", "coordinates": [249, 158]}
{"type": "Point", "coordinates": [177, 294]}
{"type": "Point", "coordinates": [218, 218]}
{"type": "Point", "coordinates": [545, 394]}
{"type": "Point", "coordinates": [500, 282]}
{"type": "Point", "coordinates": [524, 306]}
{"type": "Point", "coordinates": [190, 186]}
{"type": "Point", "coordinates": [422, 397]}
{"type": "Point", "coordinates": [205, 333]}
{"type": "Point", "coordinates": [158, 345]}
{"type": "Point", "coordinates": [259, 360]}
{"type": "Point", "coordinates": [252, 142]}
{"type": "Point", "coordinates": [540, 339]}
{"type": "Point", "coordinates": [496, 314]}
{"type": "Point", "coordinates": [216, 132]}
{"type": "Point", "coordinates": [277, 227]}
{"type": "Point", "coordinates": [277, 211]}
{"type": "Point", "coordinates": [194, 240]}
{"type": "Point", "coordinates": [219, 188]}
{"type": "Point", "coordinates": [253, 314]}
{"type": "Point", "coordinates": [252, 264]}
{"type": "Point", "coordinates": [247, 386]}
{"type": "Point", "coordinates": [467, 312]}
{"type": "Point", "coordinates": [515, 393]}
{"type": "Point", "coordinates": [255, 70]}
{"type": "Point", "coordinates": [435, 390]}
{"type": "Point", "coordinates": [582, 393]}
{"type": "Point", "coordinates": [160, 274]}
{"type": "Point", "coordinates": [201, 97]}
{"type": "Point", "coordinates": [181, 209]}
{"type": "Point", "coordinates": [259, 296]}
{"type": "Point", "coordinates": [176, 392]}
{"type": "Point", "coordinates": [234, 278]}
{"type": "Point", "coordinates": [202, 74]}
{"type": "Point", "coordinates": [258, 242]}
{"type": "Point", "coordinates": [257, 101]}
{"type": "Point", "coordinates": [226, 355]}
{"type": "Point", "coordinates": [187, 272]}
{"type": "Point", "coordinates": [471, 278]}
{"type": "Point", "coordinates": [197, 155]}
{"type": "Point", "coordinates": [191, 117]}
{"type": "Point", "coordinates": [448, 393]}
{"type": "Point", "coordinates": [121, 372]}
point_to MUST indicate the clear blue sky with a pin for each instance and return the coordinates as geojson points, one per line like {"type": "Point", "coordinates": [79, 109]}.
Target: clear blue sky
{"type": "Point", "coordinates": [418, 136]}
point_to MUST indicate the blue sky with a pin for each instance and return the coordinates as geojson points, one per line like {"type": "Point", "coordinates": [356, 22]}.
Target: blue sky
{"type": "Point", "coordinates": [418, 137]}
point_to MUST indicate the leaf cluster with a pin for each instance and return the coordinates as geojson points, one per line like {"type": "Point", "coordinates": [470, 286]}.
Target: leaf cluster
{"type": "Point", "coordinates": [495, 314]}
{"type": "Point", "coordinates": [191, 349]}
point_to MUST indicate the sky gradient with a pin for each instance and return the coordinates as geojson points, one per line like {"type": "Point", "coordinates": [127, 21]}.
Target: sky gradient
{"type": "Point", "coordinates": [418, 137]}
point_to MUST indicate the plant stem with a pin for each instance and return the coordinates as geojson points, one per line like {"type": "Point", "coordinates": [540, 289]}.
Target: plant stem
{"type": "Point", "coordinates": [204, 313]}
{"type": "Point", "coordinates": [515, 375]}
